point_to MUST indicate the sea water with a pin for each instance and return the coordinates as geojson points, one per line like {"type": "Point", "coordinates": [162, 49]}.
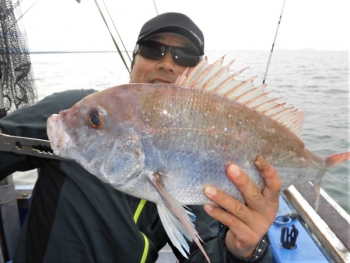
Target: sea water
{"type": "Point", "coordinates": [315, 82]}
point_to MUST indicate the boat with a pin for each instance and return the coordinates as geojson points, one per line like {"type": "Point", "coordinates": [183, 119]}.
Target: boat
{"type": "Point", "coordinates": [299, 233]}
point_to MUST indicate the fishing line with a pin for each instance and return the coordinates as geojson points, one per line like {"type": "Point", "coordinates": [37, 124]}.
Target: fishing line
{"type": "Point", "coordinates": [154, 2]}
{"type": "Point", "coordinates": [115, 43]}
{"type": "Point", "coordinates": [116, 31]}
{"type": "Point", "coordinates": [273, 44]}
{"type": "Point", "coordinates": [17, 4]}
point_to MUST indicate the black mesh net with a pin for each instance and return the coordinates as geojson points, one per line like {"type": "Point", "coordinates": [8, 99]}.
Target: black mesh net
{"type": "Point", "coordinates": [18, 86]}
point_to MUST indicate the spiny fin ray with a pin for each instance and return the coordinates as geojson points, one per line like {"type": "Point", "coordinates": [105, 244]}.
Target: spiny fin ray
{"type": "Point", "coordinates": [172, 214]}
{"type": "Point", "coordinates": [216, 78]}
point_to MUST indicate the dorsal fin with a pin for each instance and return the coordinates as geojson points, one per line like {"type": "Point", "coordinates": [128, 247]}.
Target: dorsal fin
{"type": "Point", "coordinates": [207, 74]}
{"type": "Point", "coordinates": [217, 78]}
{"type": "Point", "coordinates": [186, 80]}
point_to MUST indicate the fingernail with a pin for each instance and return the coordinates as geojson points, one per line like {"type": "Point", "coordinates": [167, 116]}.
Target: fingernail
{"type": "Point", "coordinates": [258, 164]}
{"type": "Point", "coordinates": [208, 207]}
{"type": "Point", "coordinates": [211, 191]}
{"type": "Point", "coordinates": [261, 163]}
{"type": "Point", "coordinates": [234, 170]}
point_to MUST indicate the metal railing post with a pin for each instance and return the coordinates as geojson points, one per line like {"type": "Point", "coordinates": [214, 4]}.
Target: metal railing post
{"type": "Point", "coordinates": [9, 215]}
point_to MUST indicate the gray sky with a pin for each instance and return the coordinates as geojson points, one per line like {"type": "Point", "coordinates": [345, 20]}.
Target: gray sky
{"type": "Point", "coordinates": [65, 25]}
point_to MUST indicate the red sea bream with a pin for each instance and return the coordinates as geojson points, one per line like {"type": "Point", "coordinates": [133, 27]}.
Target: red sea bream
{"type": "Point", "coordinates": [166, 142]}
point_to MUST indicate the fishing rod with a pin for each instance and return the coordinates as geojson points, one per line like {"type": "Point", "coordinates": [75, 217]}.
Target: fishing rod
{"type": "Point", "coordinates": [114, 41]}
{"type": "Point", "coordinates": [273, 44]}
{"type": "Point", "coordinates": [127, 53]}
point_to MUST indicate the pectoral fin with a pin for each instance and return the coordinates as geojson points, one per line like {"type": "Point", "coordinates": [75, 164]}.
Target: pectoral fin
{"type": "Point", "coordinates": [176, 219]}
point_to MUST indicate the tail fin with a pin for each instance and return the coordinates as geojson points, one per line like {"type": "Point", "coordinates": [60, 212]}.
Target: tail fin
{"type": "Point", "coordinates": [331, 160]}
{"type": "Point", "coordinates": [336, 159]}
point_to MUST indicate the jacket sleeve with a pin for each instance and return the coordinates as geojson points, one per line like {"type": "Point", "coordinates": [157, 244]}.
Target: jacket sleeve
{"type": "Point", "coordinates": [31, 122]}
{"type": "Point", "coordinates": [211, 232]}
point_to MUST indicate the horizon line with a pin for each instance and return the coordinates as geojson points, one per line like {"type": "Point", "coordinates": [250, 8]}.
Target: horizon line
{"type": "Point", "coordinates": [109, 51]}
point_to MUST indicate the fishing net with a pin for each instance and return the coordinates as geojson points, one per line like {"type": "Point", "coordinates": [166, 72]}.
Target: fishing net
{"type": "Point", "coordinates": [18, 88]}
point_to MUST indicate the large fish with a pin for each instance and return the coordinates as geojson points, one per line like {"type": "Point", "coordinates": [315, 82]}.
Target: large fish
{"type": "Point", "coordinates": [166, 142]}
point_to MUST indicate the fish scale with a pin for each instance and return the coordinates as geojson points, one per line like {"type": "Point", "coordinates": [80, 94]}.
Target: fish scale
{"type": "Point", "coordinates": [210, 144]}
{"type": "Point", "coordinates": [166, 142]}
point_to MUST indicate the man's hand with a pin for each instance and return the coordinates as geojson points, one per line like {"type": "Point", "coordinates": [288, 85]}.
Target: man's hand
{"type": "Point", "coordinates": [249, 222]}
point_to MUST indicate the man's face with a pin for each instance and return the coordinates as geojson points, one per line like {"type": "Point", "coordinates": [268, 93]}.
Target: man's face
{"type": "Point", "coordinates": [164, 70]}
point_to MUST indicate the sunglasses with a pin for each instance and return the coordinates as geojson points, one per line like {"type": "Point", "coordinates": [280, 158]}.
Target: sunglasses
{"type": "Point", "coordinates": [182, 56]}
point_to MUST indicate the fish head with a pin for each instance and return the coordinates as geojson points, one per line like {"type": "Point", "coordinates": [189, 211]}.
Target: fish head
{"type": "Point", "coordinates": [99, 134]}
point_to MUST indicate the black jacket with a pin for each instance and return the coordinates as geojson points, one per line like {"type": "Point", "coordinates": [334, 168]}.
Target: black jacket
{"type": "Point", "coordinates": [74, 217]}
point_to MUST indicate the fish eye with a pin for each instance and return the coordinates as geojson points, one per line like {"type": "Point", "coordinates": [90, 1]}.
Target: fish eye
{"type": "Point", "coordinates": [95, 120]}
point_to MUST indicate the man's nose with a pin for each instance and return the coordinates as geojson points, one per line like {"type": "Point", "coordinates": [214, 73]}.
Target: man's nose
{"type": "Point", "coordinates": [167, 63]}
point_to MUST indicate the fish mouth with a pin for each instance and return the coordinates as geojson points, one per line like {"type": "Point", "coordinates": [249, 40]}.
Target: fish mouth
{"type": "Point", "coordinates": [57, 135]}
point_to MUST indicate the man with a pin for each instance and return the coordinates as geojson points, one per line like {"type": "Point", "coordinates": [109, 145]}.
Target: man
{"type": "Point", "coordinates": [76, 218]}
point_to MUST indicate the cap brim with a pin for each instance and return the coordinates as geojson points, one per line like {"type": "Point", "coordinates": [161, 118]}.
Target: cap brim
{"type": "Point", "coordinates": [174, 34]}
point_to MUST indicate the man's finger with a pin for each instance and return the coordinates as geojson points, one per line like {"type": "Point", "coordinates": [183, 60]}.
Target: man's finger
{"type": "Point", "coordinates": [231, 205]}
{"type": "Point", "coordinates": [240, 236]}
{"type": "Point", "coordinates": [241, 230]}
{"type": "Point", "coordinates": [251, 193]}
{"type": "Point", "coordinates": [273, 183]}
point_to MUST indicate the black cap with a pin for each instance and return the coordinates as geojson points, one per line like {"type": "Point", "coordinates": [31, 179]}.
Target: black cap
{"type": "Point", "coordinates": [173, 23]}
